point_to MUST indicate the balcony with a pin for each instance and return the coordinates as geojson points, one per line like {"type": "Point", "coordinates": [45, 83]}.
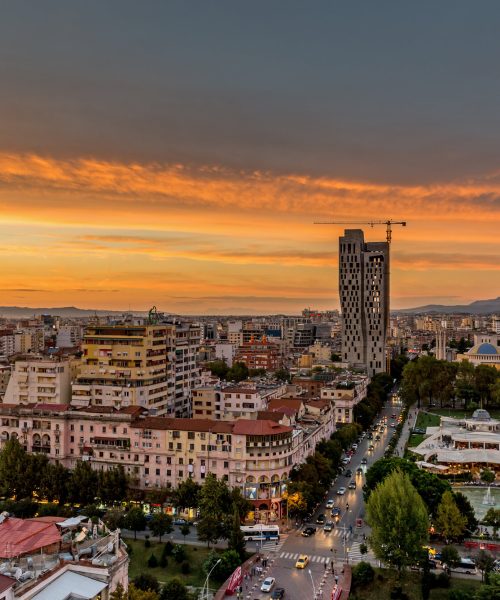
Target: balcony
{"type": "Point", "coordinates": [41, 449]}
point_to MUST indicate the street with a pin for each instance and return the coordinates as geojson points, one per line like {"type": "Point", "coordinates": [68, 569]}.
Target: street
{"type": "Point", "coordinates": [340, 545]}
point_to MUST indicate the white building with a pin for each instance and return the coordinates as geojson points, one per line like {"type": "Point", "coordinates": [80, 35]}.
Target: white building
{"type": "Point", "coordinates": [344, 395]}
{"type": "Point", "coordinates": [69, 336]}
{"type": "Point", "coordinates": [39, 380]}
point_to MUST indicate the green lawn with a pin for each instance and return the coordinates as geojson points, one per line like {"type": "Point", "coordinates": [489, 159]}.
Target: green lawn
{"type": "Point", "coordinates": [195, 555]}
{"type": "Point", "coordinates": [425, 420]}
{"type": "Point", "coordinates": [385, 580]}
{"type": "Point", "coordinates": [415, 439]}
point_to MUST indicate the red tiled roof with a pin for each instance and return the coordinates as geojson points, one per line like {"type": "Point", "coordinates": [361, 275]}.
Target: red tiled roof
{"type": "Point", "coordinates": [168, 423]}
{"type": "Point", "coordinates": [6, 583]}
{"type": "Point", "coordinates": [281, 403]}
{"type": "Point", "coordinates": [51, 407]}
{"type": "Point", "coordinates": [270, 415]}
{"type": "Point", "coordinates": [318, 403]}
{"type": "Point", "coordinates": [22, 536]}
{"type": "Point", "coordinates": [250, 427]}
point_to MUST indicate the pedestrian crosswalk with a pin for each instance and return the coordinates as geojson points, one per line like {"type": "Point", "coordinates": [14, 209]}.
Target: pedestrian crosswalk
{"type": "Point", "coordinates": [315, 558]}
{"type": "Point", "coordinates": [272, 545]}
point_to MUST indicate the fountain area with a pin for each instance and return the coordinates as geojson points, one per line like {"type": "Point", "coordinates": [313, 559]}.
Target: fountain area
{"type": "Point", "coordinates": [480, 499]}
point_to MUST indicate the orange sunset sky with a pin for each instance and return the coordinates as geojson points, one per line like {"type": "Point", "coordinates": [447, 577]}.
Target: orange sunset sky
{"type": "Point", "coordinates": [161, 156]}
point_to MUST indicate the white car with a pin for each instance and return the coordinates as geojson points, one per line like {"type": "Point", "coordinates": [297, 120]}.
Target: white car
{"type": "Point", "coordinates": [354, 446]}
{"type": "Point", "coordinates": [267, 584]}
{"type": "Point", "coordinates": [341, 491]}
{"type": "Point", "coordinates": [330, 503]}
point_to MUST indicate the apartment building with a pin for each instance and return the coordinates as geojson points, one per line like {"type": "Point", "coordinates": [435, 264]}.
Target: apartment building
{"type": "Point", "coordinates": [364, 299]}
{"type": "Point", "coordinates": [126, 365]}
{"type": "Point", "coordinates": [186, 346]}
{"type": "Point", "coordinates": [5, 373]}
{"type": "Point", "coordinates": [29, 339]}
{"type": "Point", "coordinates": [69, 336]}
{"type": "Point", "coordinates": [259, 354]}
{"type": "Point", "coordinates": [7, 343]}
{"type": "Point", "coordinates": [344, 394]}
{"type": "Point", "coordinates": [40, 380]}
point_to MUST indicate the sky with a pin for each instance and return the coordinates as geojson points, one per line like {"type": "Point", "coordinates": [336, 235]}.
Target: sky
{"type": "Point", "coordinates": [177, 154]}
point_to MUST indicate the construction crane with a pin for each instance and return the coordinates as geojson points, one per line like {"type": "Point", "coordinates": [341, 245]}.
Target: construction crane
{"type": "Point", "coordinates": [388, 223]}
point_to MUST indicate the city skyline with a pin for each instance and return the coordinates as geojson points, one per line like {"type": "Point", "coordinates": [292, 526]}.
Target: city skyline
{"type": "Point", "coordinates": [163, 156]}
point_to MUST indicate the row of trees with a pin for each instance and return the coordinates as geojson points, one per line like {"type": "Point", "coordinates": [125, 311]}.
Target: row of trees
{"type": "Point", "coordinates": [24, 476]}
{"type": "Point", "coordinates": [428, 381]}
{"type": "Point", "coordinates": [310, 481]}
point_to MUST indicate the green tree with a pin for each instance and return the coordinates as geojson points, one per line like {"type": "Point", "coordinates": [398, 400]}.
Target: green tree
{"type": "Point", "coordinates": [82, 484]}
{"type": "Point", "coordinates": [229, 561]}
{"type": "Point", "coordinates": [491, 591]}
{"type": "Point", "coordinates": [114, 518]}
{"type": "Point", "coordinates": [174, 590]}
{"type": "Point", "coordinates": [282, 375]}
{"type": "Point", "coordinates": [465, 507]}
{"type": "Point", "coordinates": [484, 562]}
{"type": "Point", "coordinates": [119, 593]}
{"type": "Point", "coordinates": [243, 505]}
{"type": "Point", "coordinates": [236, 539]}
{"type": "Point", "coordinates": [487, 476]}
{"type": "Point", "coordinates": [450, 556]}
{"type": "Point", "coordinates": [54, 484]}
{"type": "Point", "coordinates": [209, 528]}
{"type": "Point", "coordinates": [13, 466]}
{"type": "Point", "coordinates": [398, 518]}
{"type": "Point", "coordinates": [485, 376]}
{"type": "Point", "coordinates": [112, 485]}
{"type": "Point", "coordinates": [146, 582]}
{"type": "Point", "coordinates": [238, 372]}
{"type": "Point", "coordinates": [135, 520]}
{"type": "Point", "coordinates": [185, 529]}
{"type": "Point", "coordinates": [214, 502]}
{"type": "Point", "coordinates": [465, 383]}
{"type": "Point", "coordinates": [137, 594]}
{"type": "Point", "coordinates": [363, 573]}
{"type": "Point", "coordinates": [449, 520]}
{"type": "Point", "coordinates": [218, 368]}
{"type": "Point", "coordinates": [160, 524]}
{"type": "Point", "coordinates": [492, 518]}
{"type": "Point", "coordinates": [186, 494]}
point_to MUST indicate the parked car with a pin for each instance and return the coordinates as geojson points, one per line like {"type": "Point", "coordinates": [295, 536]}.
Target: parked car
{"type": "Point", "coordinates": [308, 531]}
{"type": "Point", "coordinates": [278, 593]}
{"type": "Point", "coordinates": [354, 446]}
{"type": "Point", "coordinates": [328, 526]}
{"type": "Point", "coordinates": [302, 561]}
{"type": "Point", "coordinates": [267, 584]}
{"type": "Point", "coordinates": [180, 522]}
{"type": "Point", "coordinates": [348, 473]}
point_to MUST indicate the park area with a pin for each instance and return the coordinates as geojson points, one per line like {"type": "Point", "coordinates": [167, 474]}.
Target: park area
{"type": "Point", "coordinates": [385, 581]}
{"type": "Point", "coordinates": [191, 575]}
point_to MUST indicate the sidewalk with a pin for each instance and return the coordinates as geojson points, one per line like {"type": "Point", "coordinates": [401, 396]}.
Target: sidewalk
{"type": "Point", "coordinates": [405, 434]}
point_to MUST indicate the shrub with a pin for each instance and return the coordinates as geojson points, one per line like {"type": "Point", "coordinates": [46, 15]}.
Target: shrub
{"type": "Point", "coordinates": [185, 567]}
{"type": "Point", "coordinates": [443, 580]}
{"type": "Point", "coordinates": [152, 562]}
{"type": "Point", "coordinates": [163, 561]}
{"type": "Point", "coordinates": [168, 548]}
{"type": "Point", "coordinates": [147, 543]}
{"type": "Point", "coordinates": [146, 582]}
{"type": "Point", "coordinates": [179, 553]}
{"type": "Point", "coordinates": [363, 573]}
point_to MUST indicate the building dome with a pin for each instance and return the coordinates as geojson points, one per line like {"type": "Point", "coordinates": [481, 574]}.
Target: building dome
{"type": "Point", "coordinates": [481, 415]}
{"type": "Point", "coordinates": [484, 348]}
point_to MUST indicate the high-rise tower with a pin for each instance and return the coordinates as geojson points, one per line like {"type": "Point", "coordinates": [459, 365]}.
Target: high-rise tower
{"type": "Point", "coordinates": [364, 300]}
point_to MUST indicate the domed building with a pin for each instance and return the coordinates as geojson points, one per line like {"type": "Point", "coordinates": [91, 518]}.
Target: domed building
{"type": "Point", "coordinates": [486, 351]}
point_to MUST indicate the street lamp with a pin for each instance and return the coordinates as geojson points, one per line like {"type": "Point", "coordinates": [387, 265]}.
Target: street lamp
{"type": "Point", "coordinates": [204, 592]}
{"type": "Point", "coordinates": [312, 581]}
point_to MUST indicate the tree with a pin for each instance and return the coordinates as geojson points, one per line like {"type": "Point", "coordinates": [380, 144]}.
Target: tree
{"type": "Point", "coordinates": [465, 507]}
{"type": "Point", "coordinates": [449, 520]}
{"type": "Point", "coordinates": [119, 593]}
{"type": "Point", "coordinates": [160, 524]}
{"type": "Point", "coordinates": [450, 556]}
{"type": "Point", "coordinates": [484, 562]}
{"type": "Point", "coordinates": [146, 582]}
{"type": "Point", "coordinates": [214, 502]}
{"type": "Point", "coordinates": [137, 594]}
{"type": "Point", "coordinates": [236, 539]}
{"type": "Point", "coordinates": [491, 591]}
{"type": "Point", "coordinates": [135, 520]}
{"type": "Point", "coordinates": [492, 518]}
{"type": "Point", "coordinates": [54, 484]}
{"type": "Point", "coordinates": [238, 372]}
{"type": "Point", "coordinates": [398, 518]}
{"type": "Point", "coordinates": [114, 518]}
{"type": "Point", "coordinates": [229, 561]}
{"type": "Point", "coordinates": [13, 466]}
{"type": "Point", "coordinates": [82, 484]}
{"type": "Point", "coordinates": [174, 590]}
{"type": "Point", "coordinates": [112, 485]}
{"type": "Point", "coordinates": [218, 368]}
{"type": "Point", "coordinates": [209, 529]}
{"type": "Point", "coordinates": [186, 494]}
{"type": "Point", "coordinates": [243, 505]}
{"type": "Point", "coordinates": [282, 375]}
{"type": "Point", "coordinates": [363, 573]}
{"type": "Point", "coordinates": [185, 529]}
{"type": "Point", "coordinates": [487, 476]}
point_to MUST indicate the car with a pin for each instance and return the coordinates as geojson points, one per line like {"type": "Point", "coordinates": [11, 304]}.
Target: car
{"type": "Point", "coordinates": [393, 424]}
{"type": "Point", "coordinates": [330, 503]}
{"type": "Point", "coordinates": [359, 471]}
{"type": "Point", "coordinates": [328, 526]}
{"type": "Point", "coordinates": [302, 561]}
{"type": "Point", "coordinates": [394, 416]}
{"type": "Point", "coordinates": [308, 531]}
{"type": "Point", "coordinates": [354, 446]}
{"type": "Point", "coordinates": [370, 436]}
{"type": "Point", "coordinates": [278, 593]}
{"type": "Point", "coordinates": [180, 522]}
{"type": "Point", "coordinates": [321, 519]}
{"type": "Point", "coordinates": [371, 447]}
{"type": "Point", "coordinates": [352, 485]}
{"type": "Point", "coordinates": [341, 491]}
{"type": "Point", "coordinates": [348, 473]}
{"type": "Point", "coordinates": [377, 438]}
{"type": "Point", "coordinates": [346, 460]}
{"type": "Point", "coordinates": [336, 511]}
{"type": "Point", "coordinates": [267, 584]}
{"type": "Point", "coordinates": [364, 461]}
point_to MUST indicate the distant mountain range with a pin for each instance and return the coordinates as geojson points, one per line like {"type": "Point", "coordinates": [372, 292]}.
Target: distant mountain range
{"type": "Point", "coordinates": [23, 312]}
{"type": "Point", "coordinates": [479, 307]}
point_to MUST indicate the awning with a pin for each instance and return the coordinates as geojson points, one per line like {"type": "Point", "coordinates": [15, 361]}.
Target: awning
{"type": "Point", "coordinates": [71, 585]}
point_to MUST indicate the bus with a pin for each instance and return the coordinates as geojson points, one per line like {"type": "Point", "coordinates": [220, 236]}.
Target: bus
{"type": "Point", "coordinates": [260, 532]}
{"type": "Point", "coordinates": [466, 565]}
